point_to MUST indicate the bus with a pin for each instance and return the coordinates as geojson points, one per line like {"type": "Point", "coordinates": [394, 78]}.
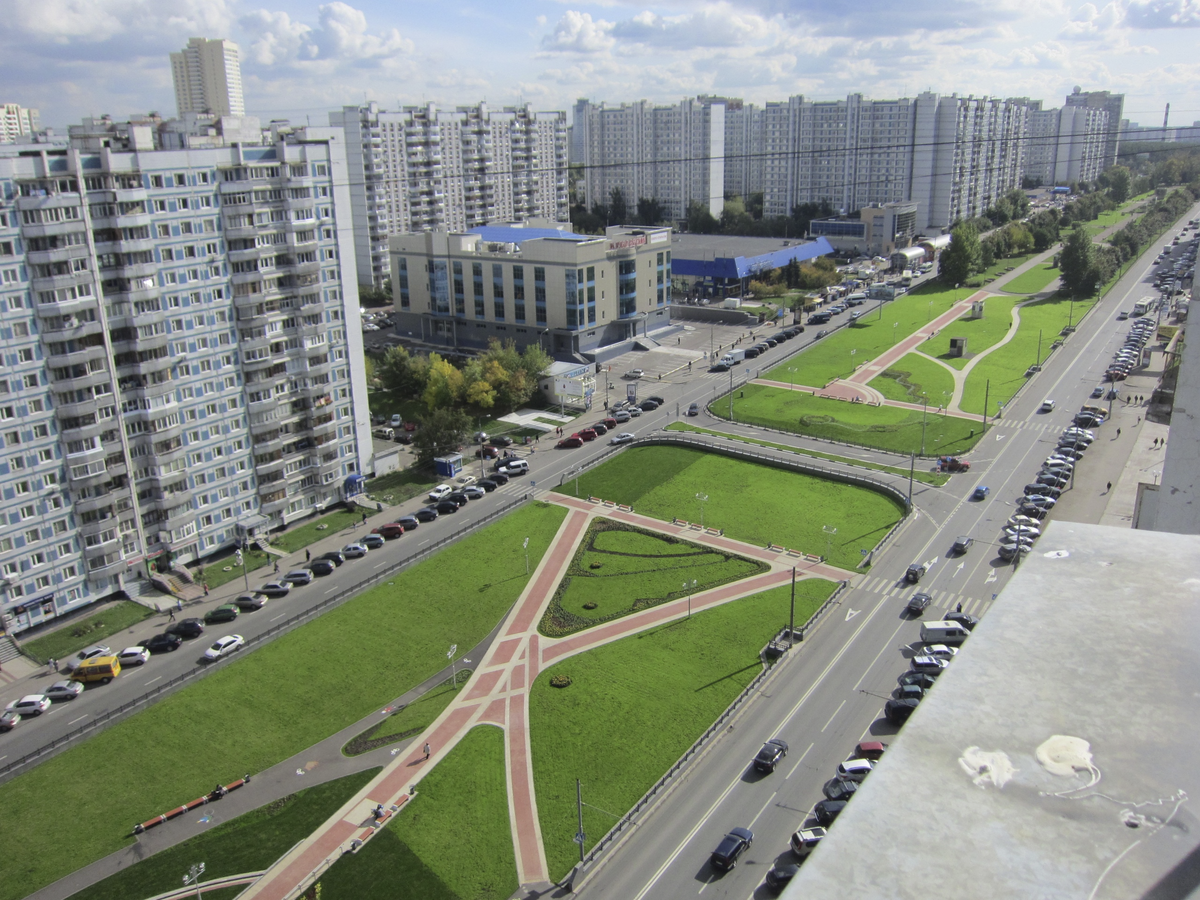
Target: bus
{"type": "Point", "coordinates": [1142, 306]}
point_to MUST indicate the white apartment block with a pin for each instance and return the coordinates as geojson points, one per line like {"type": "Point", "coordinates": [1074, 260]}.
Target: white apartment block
{"type": "Point", "coordinates": [1066, 145]}
{"type": "Point", "coordinates": [1114, 105]}
{"type": "Point", "coordinates": [182, 357]}
{"type": "Point", "coordinates": [16, 120]}
{"type": "Point", "coordinates": [674, 154]}
{"type": "Point", "coordinates": [208, 78]}
{"type": "Point", "coordinates": [422, 168]}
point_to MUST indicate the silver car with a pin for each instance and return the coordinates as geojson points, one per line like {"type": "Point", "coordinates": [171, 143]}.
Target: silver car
{"type": "Point", "coordinates": [62, 691]}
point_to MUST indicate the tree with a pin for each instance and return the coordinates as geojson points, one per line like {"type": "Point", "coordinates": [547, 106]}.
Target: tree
{"type": "Point", "coordinates": [1077, 264]}
{"type": "Point", "coordinates": [618, 210]}
{"type": "Point", "coordinates": [401, 373]}
{"type": "Point", "coordinates": [441, 432]}
{"type": "Point", "coordinates": [700, 220]}
{"type": "Point", "coordinates": [650, 212]}
{"type": "Point", "coordinates": [962, 258]}
{"type": "Point", "coordinates": [444, 386]}
{"type": "Point", "coordinates": [1119, 181]}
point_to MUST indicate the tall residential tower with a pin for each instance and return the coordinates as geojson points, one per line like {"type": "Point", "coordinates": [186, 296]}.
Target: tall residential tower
{"type": "Point", "coordinates": [208, 78]}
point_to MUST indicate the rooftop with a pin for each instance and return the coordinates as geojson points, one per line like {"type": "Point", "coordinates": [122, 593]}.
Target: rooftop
{"type": "Point", "coordinates": [1056, 755]}
{"type": "Point", "coordinates": [512, 234]}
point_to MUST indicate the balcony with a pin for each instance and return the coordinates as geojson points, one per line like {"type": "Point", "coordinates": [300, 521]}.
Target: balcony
{"type": "Point", "coordinates": [140, 343]}
{"type": "Point", "coordinates": [88, 504]}
{"type": "Point", "coordinates": [84, 356]}
{"type": "Point", "coordinates": [99, 525]}
{"type": "Point", "coordinates": [114, 563]}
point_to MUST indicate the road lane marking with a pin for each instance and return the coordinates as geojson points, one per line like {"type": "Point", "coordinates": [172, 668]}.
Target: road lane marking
{"type": "Point", "coordinates": [834, 716]}
{"type": "Point", "coordinates": [959, 569]}
{"type": "Point", "coordinates": [331, 590]}
{"type": "Point", "coordinates": [761, 811]}
{"type": "Point", "coordinates": [991, 576]}
{"type": "Point", "coordinates": [887, 646]}
{"type": "Point", "coordinates": [152, 680]}
{"type": "Point", "coordinates": [80, 719]}
{"type": "Point", "coordinates": [280, 616]}
{"type": "Point", "coordinates": [800, 760]}
{"type": "Point", "coordinates": [851, 613]}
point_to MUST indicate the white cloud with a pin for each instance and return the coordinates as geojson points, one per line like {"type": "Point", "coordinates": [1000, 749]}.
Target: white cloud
{"type": "Point", "coordinates": [716, 26]}
{"type": "Point", "coordinates": [94, 21]}
{"type": "Point", "coordinates": [341, 35]}
{"type": "Point", "coordinates": [577, 32]}
{"type": "Point", "coordinates": [1163, 14]}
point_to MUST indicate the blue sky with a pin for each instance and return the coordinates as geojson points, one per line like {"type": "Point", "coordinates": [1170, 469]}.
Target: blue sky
{"type": "Point", "coordinates": [72, 58]}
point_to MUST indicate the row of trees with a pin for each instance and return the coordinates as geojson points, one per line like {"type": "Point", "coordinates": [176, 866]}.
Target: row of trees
{"type": "Point", "coordinates": [805, 276]}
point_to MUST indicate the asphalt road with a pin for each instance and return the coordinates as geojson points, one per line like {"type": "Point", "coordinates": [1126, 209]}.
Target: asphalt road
{"type": "Point", "coordinates": [830, 694]}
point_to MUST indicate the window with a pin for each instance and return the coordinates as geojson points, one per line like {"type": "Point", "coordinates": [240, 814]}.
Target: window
{"type": "Point", "coordinates": [32, 536]}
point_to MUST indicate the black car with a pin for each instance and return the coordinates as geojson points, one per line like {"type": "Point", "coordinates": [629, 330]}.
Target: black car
{"type": "Point", "coordinates": [488, 484]}
{"type": "Point", "coordinates": [828, 810]}
{"type": "Point", "coordinates": [751, 353]}
{"type": "Point", "coordinates": [781, 875]}
{"type": "Point", "coordinates": [458, 497]}
{"type": "Point", "coordinates": [1034, 512]}
{"type": "Point", "coordinates": [428, 513]}
{"type": "Point", "coordinates": [409, 522]}
{"type": "Point", "coordinates": [918, 603]}
{"type": "Point", "coordinates": [731, 847]}
{"type": "Point", "coordinates": [501, 441]}
{"type": "Point", "coordinates": [924, 680]}
{"type": "Point", "coordinates": [647, 406]}
{"type": "Point", "coordinates": [187, 628]}
{"type": "Point", "coordinates": [961, 544]}
{"type": "Point", "coordinates": [840, 788]}
{"type": "Point", "coordinates": [162, 643]}
{"type": "Point", "coordinates": [771, 753]}
{"type": "Point", "coordinates": [499, 477]}
{"type": "Point", "coordinates": [659, 400]}
{"type": "Point", "coordinates": [966, 621]}
{"type": "Point", "coordinates": [334, 556]}
{"type": "Point", "coordinates": [226, 613]}
{"type": "Point", "coordinates": [914, 691]}
{"type": "Point", "coordinates": [914, 573]}
{"type": "Point", "coordinates": [898, 711]}
{"type": "Point", "coordinates": [446, 506]}
{"type": "Point", "coordinates": [322, 566]}
{"type": "Point", "coordinates": [718, 367]}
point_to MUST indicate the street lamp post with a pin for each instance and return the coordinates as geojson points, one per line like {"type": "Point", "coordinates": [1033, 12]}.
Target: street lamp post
{"type": "Point", "coordinates": [193, 877]}
{"type": "Point", "coordinates": [525, 546]}
{"type": "Point", "coordinates": [895, 325]}
{"type": "Point", "coordinates": [924, 410]}
{"type": "Point", "coordinates": [703, 498]}
{"type": "Point", "coordinates": [690, 590]}
{"type": "Point", "coordinates": [830, 531]}
{"type": "Point", "coordinates": [792, 369]}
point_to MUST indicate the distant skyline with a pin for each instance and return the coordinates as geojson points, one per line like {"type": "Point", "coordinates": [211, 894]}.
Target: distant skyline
{"type": "Point", "coordinates": [73, 58]}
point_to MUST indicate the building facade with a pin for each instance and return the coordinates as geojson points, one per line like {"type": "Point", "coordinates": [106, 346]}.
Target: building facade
{"type": "Point", "coordinates": [574, 295]}
{"type": "Point", "coordinates": [178, 341]}
{"type": "Point", "coordinates": [1114, 105]}
{"type": "Point", "coordinates": [16, 120]}
{"type": "Point", "coordinates": [424, 168]}
{"type": "Point", "coordinates": [877, 230]}
{"type": "Point", "coordinates": [1066, 145]}
{"type": "Point", "coordinates": [208, 78]}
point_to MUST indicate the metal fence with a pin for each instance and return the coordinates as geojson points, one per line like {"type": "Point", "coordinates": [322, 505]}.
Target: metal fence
{"type": "Point", "coordinates": [102, 720]}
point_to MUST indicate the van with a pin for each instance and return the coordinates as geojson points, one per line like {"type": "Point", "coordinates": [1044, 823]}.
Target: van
{"type": "Point", "coordinates": [857, 299]}
{"type": "Point", "coordinates": [99, 668]}
{"type": "Point", "coordinates": [386, 433]}
{"type": "Point", "coordinates": [943, 633]}
{"type": "Point", "coordinates": [512, 466]}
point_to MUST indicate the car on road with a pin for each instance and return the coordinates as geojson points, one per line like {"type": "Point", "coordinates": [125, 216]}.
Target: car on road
{"type": "Point", "coordinates": [88, 653]}
{"type": "Point", "coordinates": [1081, 434]}
{"type": "Point", "coordinates": [458, 497]}
{"type": "Point", "coordinates": [1031, 531]}
{"type": "Point", "coordinates": [488, 484]}
{"type": "Point", "coordinates": [440, 492]}
{"type": "Point", "coordinates": [322, 567]}
{"type": "Point", "coordinates": [30, 705]}
{"type": "Point", "coordinates": [10, 719]}
{"type": "Point", "coordinates": [275, 589]}
{"type": "Point", "coordinates": [733, 845]}
{"type": "Point", "coordinates": [826, 811]}
{"type": "Point", "coordinates": [981, 492]}
{"type": "Point", "coordinates": [1047, 406]}
{"type": "Point", "coordinates": [1032, 512]}
{"type": "Point", "coordinates": [224, 646]}
{"type": "Point", "coordinates": [227, 612]}
{"type": "Point", "coordinates": [298, 577]}
{"type": "Point", "coordinates": [822, 333]}
{"type": "Point", "coordinates": [964, 619]}
{"type": "Point", "coordinates": [694, 409]}
{"type": "Point", "coordinates": [334, 556]}
{"type": "Point", "coordinates": [648, 406]}
{"type": "Point", "coordinates": [408, 523]}
{"type": "Point", "coordinates": [1045, 490]}
{"type": "Point", "coordinates": [428, 513]}
{"type": "Point", "coordinates": [487, 453]}
{"type": "Point", "coordinates": [940, 651]}
{"type": "Point", "coordinates": [499, 477]}
{"type": "Point", "coordinates": [588, 434]}
{"type": "Point", "coordinates": [1044, 502]}
{"type": "Point", "coordinates": [1122, 315]}
{"type": "Point", "coordinates": [839, 788]}
{"type": "Point", "coordinates": [570, 443]}
{"type": "Point", "coordinates": [962, 544]}
{"type": "Point", "coordinates": [781, 874]}
{"type": "Point", "coordinates": [918, 603]}
{"type": "Point", "coordinates": [251, 602]}
{"type": "Point", "coordinates": [474, 492]}
{"type": "Point", "coordinates": [771, 753]}
{"type": "Point", "coordinates": [600, 428]}
{"type": "Point", "coordinates": [389, 531]}
{"type": "Point", "coordinates": [623, 438]}
{"type": "Point", "coordinates": [634, 374]}
{"type": "Point", "coordinates": [446, 507]}
{"type": "Point", "coordinates": [162, 643]}
{"type": "Point", "coordinates": [898, 711]}
{"type": "Point", "coordinates": [1097, 391]}
{"type": "Point", "coordinates": [1010, 551]}
{"type": "Point", "coordinates": [372, 541]}
{"type": "Point", "coordinates": [188, 628]}
{"type": "Point", "coordinates": [354, 551]}
{"type": "Point", "coordinates": [915, 572]}
{"type": "Point", "coordinates": [64, 691]}
{"type": "Point", "coordinates": [501, 440]}
{"type": "Point", "coordinates": [805, 840]}
{"type": "Point", "coordinates": [913, 691]}
{"type": "Point", "coordinates": [396, 421]}
{"type": "Point", "coordinates": [623, 415]}
{"type": "Point", "coordinates": [514, 467]}
{"type": "Point", "coordinates": [855, 769]}
{"type": "Point", "coordinates": [132, 656]}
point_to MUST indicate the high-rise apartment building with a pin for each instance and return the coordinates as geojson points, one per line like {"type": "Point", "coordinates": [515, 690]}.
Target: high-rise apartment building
{"type": "Point", "coordinates": [16, 120]}
{"type": "Point", "coordinates": [1114, 105]}
{"type": "Point", "coordinates": [422, 168]}
{"type": "Point", "coordinates": [208, 78]}
{"type": "Point", "coordinates": [178, 343]}
{"type": "Point", "coordinates": [673, 154]}
{"type": "Point", "coordinates": [1065, 145]}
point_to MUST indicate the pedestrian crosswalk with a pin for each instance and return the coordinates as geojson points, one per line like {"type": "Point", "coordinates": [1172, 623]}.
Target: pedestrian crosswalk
{"type": "Point", "coordinates": [945, 601]}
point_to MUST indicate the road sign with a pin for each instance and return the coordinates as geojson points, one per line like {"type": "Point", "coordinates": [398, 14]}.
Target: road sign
{"type": "Point", "coordinates": [452, 651]}
{"type": "Point", "coordinates": [864, 551]}
{"type": "Point", "coordinates": [579, 838]}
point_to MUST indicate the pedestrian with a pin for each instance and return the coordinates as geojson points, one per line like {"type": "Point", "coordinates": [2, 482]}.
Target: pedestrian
{"type": "Point", "coordinates": [364, 519]}
{"type": "Point", "coordinates": [1108, 488]}
{"type": "Point", "coordinates": [276, 567]}
{"type": "Point", "coordinates": [1139, 421]}
{"type": "Point", "coordinates": [307, 556]}
{"type": "Point", "coordinates": [179, 605]}
{"type": "Point", "coordinates": [171, 615]}
{"type": "Point", "coordinates": [206, 589]}
{"type": "Point", "coordinates": [427, 750]}
{"type": "Point", "coordinates": [1118, 432]}
{"type": "Point", "coordinates": [52, 663]}
{"type": "Point", "coordinates": [958, 608]}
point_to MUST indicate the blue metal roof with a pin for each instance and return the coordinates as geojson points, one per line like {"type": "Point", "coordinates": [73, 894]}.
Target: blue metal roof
{"type": "Point", "coordinates": [507, 234]}
{"type": "Point", "coordinates": [745, 267]}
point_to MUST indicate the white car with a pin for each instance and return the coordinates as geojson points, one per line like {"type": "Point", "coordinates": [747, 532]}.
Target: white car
{"type": "Point", "coordinates": [354, 551]}
{"type": "Point", "coordinates": [133, 656]}
{"type": "Point", "coordinates": [1022, 520]}
{"type": "Point", "coordinates": [634, 412]}
{"type": "Point", "coordinates": [634, 374]}
{"type": "Point", "coordinates": [623, 438]}
{"type": "Point", "coordinates": [30, 705]}
{"type": "Point", "coordinates": [940, 651]}
{"type": "Point", "coordinates": [1029, 531]}
{"type": "Point", "coordinates": [1083, 435]}
{"type": "Point", "coordinates": [440, 492]}
{"type": "Point", "coordinates": [855, 769]}
{"type": "Point", "coordinates": [1047, 406]}
{"type": "Point", "coordinates": [224, 646]}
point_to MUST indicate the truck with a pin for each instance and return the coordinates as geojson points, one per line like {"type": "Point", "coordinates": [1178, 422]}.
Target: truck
{"type": "Point", "coordinates": [733, 357]}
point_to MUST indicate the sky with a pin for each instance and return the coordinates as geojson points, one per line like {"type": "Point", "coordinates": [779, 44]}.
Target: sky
{"type": "Point", "coordinates": [74, 58]}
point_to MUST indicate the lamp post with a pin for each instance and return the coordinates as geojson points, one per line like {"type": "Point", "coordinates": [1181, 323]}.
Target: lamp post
{"type": "Point", "coordinates": [924, 411]}
{"type": "Point", "coordinates": [703, 498]}
{"type": "Point", "coordinates": [690, 590]}
{"type": "Point", "coordinates": [525, 546]}
{"type": "Point", "coordinates": [193, 877]}
{"type": "Point", "coordinates": [792, 369]}
{"type": "Point", "coordinates": [453, 675]}
{"type": "Point", "coordinates": [895, 325]}
{"type": "Point", "coordinates": [830, 531]}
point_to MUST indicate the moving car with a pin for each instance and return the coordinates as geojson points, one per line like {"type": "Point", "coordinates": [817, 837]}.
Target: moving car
{"type": "Point", "coordinates": [733, 845]}
{"type": "Point", "coordinates": [10, 719]}
{"type": "Point", "coordinates": [962, 544]}
{"type": "Point", "coordinates": [1047, 406]}
{"type": "Point", "coordinates": [162, 643]}
{"type": "Point", "coordinates": [225, 613]}
{"type": "Point", "coordinates": [132, 656]}
{"type": "Point", "coordinates": [771, 753]}
{"type": "Point", "coordinates": [694, 409]}
{"type": "Point", "coordinates": [224, 646]}
{"type": "Point", "coordinates": [250, 602]}
{"type": "Point", "coordinates": [981, 492]}
{"type": "Point", "coordinates": [634, 374]}
{"type": "Point", "coordinates": [914, 573]}
{"type": "Point", "coordinates": [514, 467]}
{"type": "Point", "coordinates": [918, 603]}
{"type": "Point", "coordinates": [623, 438]}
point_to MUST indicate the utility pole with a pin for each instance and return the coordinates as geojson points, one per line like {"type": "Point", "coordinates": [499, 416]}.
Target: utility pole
{"type": "Point", "coordinates": [731, 395]}
{"type": "Point", "coordinates": [580, 837]}
{"type": "Point", "coordinates": [924, 410]}
{"type": "Point", "coordinates": [792, 614]}
{"type": "Point", "coordinates": [987, 387]}
{"type": "Point", "coordinates": [912, 465]}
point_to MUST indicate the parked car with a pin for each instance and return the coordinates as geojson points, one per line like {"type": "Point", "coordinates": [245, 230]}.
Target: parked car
{"type": "Point", "coordinates": [487, 452]}
{"type": "Point", "coordinates": [924, 680]}
{"type": "Point", "coordinates": [188, 628]}
{"type": "Point", "coordinates": [464, 480]}
{"type": "Point", "coordinates": [372, 541]}
{"type": "Point", "coordinates": [322, 566]}
{"type": "Point", "coordinates": [440, 492]}
{"type": "Point", "coordinates": [389, 531]}
{"type": "Point", "coordinates": [411, 522]}
{"type": "Point", "coordinates": [334, 557]}
{"type": "Point", "coordinates": [805, 840]}
{"type": "Point", "coordinates": [501, 440]}
{"type": "Point", "coordinates": [30, 705]}
{"type": "Point", "coordinates": [940, 651]}
{"type": "Point", "coordinates": [918, 603]}
{"type": "Point", "coordinates": [65, 691]}
{"type": "Point", "coordinates": [780, 875]}
{"type": "Point", "coordinates": [250, 602]}
{"type": "Point", "coordinates": [621, 416]}
{"type": "Point", "coordinates": [855, 769]}
{"type": "Point", "coordinates": [872, 750]}
{"type": "Point", "coordinates": [428, 513]}
{"type": "Point", "coordinates": [224, 646]}
{"type": "Point", "coordinates": [298, 577]}
{"type": "Point", "coordinates": [354, 551]}
{"type": "Point", "coordinates": [733, 845]}
{"type": "Point", "coordinates": [839, 788]}
{"type": "Point", "coordinates": [446, 506]}
{"type": "Point", "coordinates": [227, 612]}
{"type": "Point", "coordinates": [600, 428]}
{"type": "Point", "coordinates": [927, 664]}
{"type": "Point", "coordinates": [570, 443]}
{"type": "Point", "coordinates": [10, 718]}
{"type": "Point", "coordinates": [457, 497]}
{"type": "Point", "coordinates": [488, 484]}
{"type": "Point", "coordinates": [474, 492]}
{"type": "Point", "coordinates": [132, 656]}
{"type": "Point", "coordinates": [771, 753]}
{"type": "Point", "coordinates": [826, 811]}
{"type": "Point", "coordinates": [499, 477]}
{"type": "Point", "coordinates": [898, 711]}
{"type": "Point", "coordinates": [634, 374]}
{"type": "Point", "coordinates": [162, 643]}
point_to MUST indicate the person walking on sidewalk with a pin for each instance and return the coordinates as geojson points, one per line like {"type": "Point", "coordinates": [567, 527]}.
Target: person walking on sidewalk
{"type": "Point", "coordinates": [364, 521]}
{"type": "Point", "coordinates": [427, 750]}
{"type": "Point", "coordinates": [308, 555]}
{"type": "Point", "coordinates": [1108, 487]}
{"type": "Point", "coordinates": [276, 567]}
{"type": "Point", "coordinates": [179, 605]}
{"type": "Point", "coordinates": [170, 614]}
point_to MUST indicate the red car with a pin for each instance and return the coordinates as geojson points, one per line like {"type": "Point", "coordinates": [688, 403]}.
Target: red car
{"type": "Point", "coordinates": [389, 531]}
{"type": "Point", "coordinates": [588, 434]}
{"type": "Point", "coordinates": [570, 443]}
{"type": "Point", "coordinates": [487, 453]}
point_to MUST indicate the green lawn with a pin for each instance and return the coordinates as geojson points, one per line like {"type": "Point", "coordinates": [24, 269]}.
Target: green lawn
{"type": "Point", "coordinates": [619, 569]}
{"type": "Point", "coordinates": [926, 477]}
{"type": "Point", "coordinates": [980, 333]}
{"type": "Point", "coordinates": [1032, 281]}
{"type": "Point", "coordinates": [1000, 267]}
{"type": "Point", "coordinates": [753, 503]}
{"type": "Point", "coordinates": [248, 843]}
{"type": "Point", "coordinates": [451, 842]}
{"type": "Point", "coordinates": [270, 704]}
{"type": "Point", "coordinates": [913, 374]}
{"type": "Point", "coordinates": [394, 488]}
{"type": "Point", "coordinates": [634, 706]}
{"type": "Point", "coordinates": [112, 619]}
{"type": "Point", "coordinates": [1005, 367]}
{"type": "Point", "coordinates": [411, 718]}
{"type": "Point", "coordinates": [832, 357]}
{"type": "Point", "coordinates": [882, 427]}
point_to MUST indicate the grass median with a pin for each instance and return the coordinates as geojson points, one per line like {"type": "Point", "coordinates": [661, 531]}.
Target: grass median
{"type": "Point", "coordinates": [915, 377]}
{"type": "Point", "coordinates": [754, 503]}
{"type": "Point", "coordinates": [634, 706]}
{"type": "Point", "coordinates": [111, 620]}
{"type": "Point", "coordinates": [891, 428]}
{"type": "Point", "coordinates": [450, 842]}
{"type": "Point", "coordinates": [980, 333]}
{"type": "Point", "coordinates": [1036, 279]}
{"type": "Point", "coordinates": [268, 705]}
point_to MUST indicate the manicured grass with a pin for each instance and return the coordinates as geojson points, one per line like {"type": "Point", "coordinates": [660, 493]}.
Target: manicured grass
{"type": "Point", "coordinates": [881, 427]}
{"type": "Point", "coordinates": [912, 375]}
{"type": "Point", "coordinates": [1033, 280]}
{"type": "Point", "coordinates": [1005, 367]}
{"type": "Point", "coordinates": [269, 704]}
{"type": "Point", "coordinates": [110, 620]}
{"type": "Point", "coordinates": [831, 358]}
{"type": "Point", "coordinates": [450, 842]}
{"type": "Point", "coordinates": [619, 569]}
{"type": "Point", "coordinates": [926, 477]}
{"type": "Point", "coordinates": [215, 572]}
{"type": "Point", "coordinates": [1001, 267]}
{"type": "Point", "coordinates": [980, 333]}
{"type": "Point", "coordinates": [753, 503]}
{"type": "Point", "coordinates": [411, 718]}
{"type": "Point", "coordinates": [634, 706]}
{"type": "Point", "coordinates": [384, 403]}
{"type": "Point", "coordinates": [250, 842]}
{"type": "Point", "coordinates": [394, 488]}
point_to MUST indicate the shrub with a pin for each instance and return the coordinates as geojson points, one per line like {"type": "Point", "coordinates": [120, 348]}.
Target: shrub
{"type": "Point", "coordinates": [560, 681]}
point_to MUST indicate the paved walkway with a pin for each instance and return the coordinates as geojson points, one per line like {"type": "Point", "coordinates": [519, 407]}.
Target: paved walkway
{"type": "Point", "coordinates": [498, 694]}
